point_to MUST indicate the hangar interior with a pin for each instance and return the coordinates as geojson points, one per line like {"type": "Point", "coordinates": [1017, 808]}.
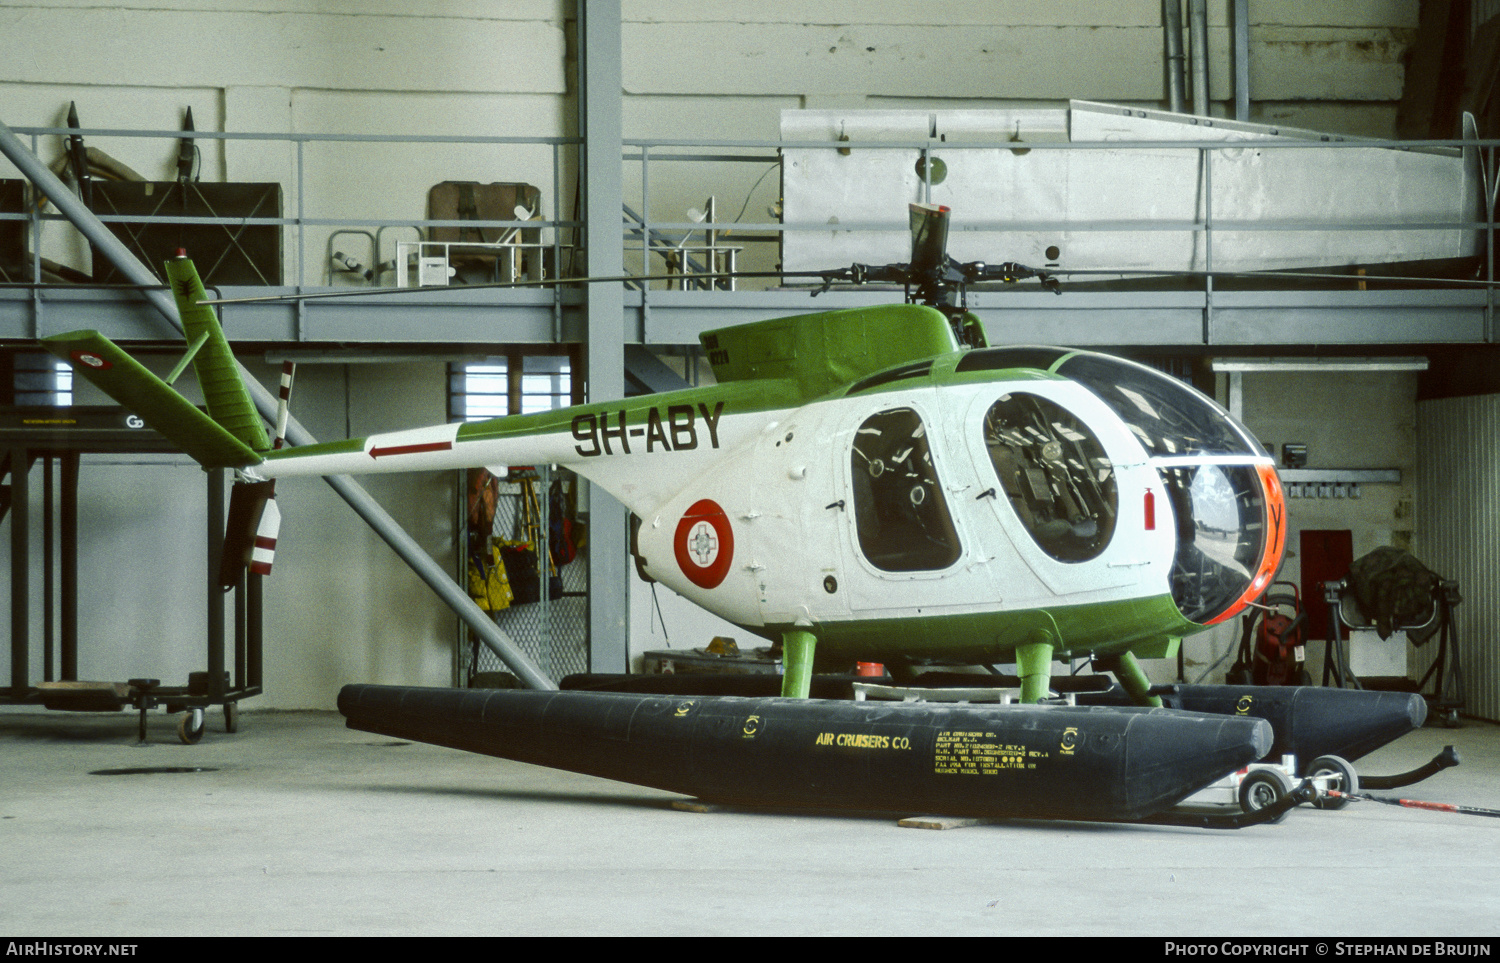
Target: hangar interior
{"type": "Point", "coordinates": [306, 149]}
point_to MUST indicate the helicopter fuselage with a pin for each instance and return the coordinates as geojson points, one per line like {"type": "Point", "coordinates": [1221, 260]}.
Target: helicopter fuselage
{"type": "Point", "coordinates": [859, 485]}
{"type": "Point", "coordinates": [955, 508]}
{"type": "Point", "coordinates": [960, 515]}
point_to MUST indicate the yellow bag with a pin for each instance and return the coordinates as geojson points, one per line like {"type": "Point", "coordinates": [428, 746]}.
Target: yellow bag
{"type": "Point", "coordinates": [488, 584]}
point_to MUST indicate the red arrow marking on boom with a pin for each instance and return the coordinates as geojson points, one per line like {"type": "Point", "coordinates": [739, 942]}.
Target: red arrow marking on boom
{"type": "Point", "coordinates": [410, 449]}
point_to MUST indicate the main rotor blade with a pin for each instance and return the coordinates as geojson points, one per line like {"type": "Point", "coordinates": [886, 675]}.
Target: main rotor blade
{"type": "Point", "coordinates": [860, 274]}
{"type": "Point", "coordinates": [855, 277]}
{"type": "Point", "coordinates": [544, 283]}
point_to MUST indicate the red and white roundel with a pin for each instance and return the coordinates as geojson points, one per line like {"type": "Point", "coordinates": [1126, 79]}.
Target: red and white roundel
{"type": "Point", "coordinates": [704, 544]}
{"type": "Point", "coordinates": [92, 360]}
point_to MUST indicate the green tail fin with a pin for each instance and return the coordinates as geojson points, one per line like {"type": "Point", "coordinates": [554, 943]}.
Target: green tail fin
{"type": "Point", "coordinates": [231, 435]}
{"type": "Point", "coordinates": [228, 402]}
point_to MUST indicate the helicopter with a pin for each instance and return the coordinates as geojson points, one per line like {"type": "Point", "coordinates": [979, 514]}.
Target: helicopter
{"type": "Point", "coordinates": [874, 483]}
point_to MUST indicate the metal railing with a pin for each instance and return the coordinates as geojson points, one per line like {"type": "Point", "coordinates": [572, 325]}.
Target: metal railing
{"type": "Point", "coordinates": [697, 168]}
{"type": "Point", "coordinates": [300, 221]}
{"type": "Point", "coordinates": [1206, 225]}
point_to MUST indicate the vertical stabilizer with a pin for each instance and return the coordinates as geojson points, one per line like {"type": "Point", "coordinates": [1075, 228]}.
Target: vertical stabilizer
{"type": "Point", "coordinates": [224, 393]}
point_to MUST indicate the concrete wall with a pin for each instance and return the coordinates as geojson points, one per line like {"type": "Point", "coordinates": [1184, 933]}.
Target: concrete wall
{"type": "Point", "coordinates": [885, 54]}
{"type": "Point", "coordinates": [342, 607]}
{"type": "Point", "coordinates": [264, 67]}
{"type": "Point", "coordinates": [1347, 420]}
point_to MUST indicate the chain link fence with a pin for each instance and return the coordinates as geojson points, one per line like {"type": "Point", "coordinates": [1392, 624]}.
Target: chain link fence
{"type": "Point", "coordinates": [543, 608]}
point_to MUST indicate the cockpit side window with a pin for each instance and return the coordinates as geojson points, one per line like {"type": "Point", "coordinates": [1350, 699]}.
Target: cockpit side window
{"type": "Point", "coordinates": [900, 513]}
{"type": "Point", "coordinates": [1055, 475]}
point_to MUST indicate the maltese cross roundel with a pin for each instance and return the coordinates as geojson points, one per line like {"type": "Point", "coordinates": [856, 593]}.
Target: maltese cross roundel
{"type": "Point", "coordinates": [704, 544]}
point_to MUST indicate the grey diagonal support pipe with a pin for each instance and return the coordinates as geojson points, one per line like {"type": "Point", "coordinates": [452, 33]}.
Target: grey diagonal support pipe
{"type": "Point", "coordinates": [351, 491]}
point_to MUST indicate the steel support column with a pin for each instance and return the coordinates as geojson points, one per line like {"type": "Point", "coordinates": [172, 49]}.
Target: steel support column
{"type": "Point", "coordinates": [600, 116]}
{"type": "Point", "coordinates": [1176, 61]}
{"type": "Point", "coordinates": [20, 574]}
{"type": "Point", "coordinates": [1198, 46]}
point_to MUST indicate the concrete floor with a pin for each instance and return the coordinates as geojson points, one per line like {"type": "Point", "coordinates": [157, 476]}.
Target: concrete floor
{"type": "Point", "coordinates": [304, 827]}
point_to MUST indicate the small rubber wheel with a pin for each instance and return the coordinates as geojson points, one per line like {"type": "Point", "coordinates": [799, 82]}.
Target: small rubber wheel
{"type": "Point", "coordinates": [231, 717]}
{"type": "Point", "coordinates": [1341, 778]}
{"type": "Point", "coordinates": [1262, 788]}
{"type": "Point", "coordinates": [190, 726]}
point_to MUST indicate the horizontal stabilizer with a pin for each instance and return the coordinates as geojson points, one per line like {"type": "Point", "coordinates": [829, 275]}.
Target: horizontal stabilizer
{"type": "Point", "coordinates": [120, 376]}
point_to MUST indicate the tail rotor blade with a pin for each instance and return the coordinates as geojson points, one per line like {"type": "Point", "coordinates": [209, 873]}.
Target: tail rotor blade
{"type": "Point", "coordinates": [250, 532]}
{"type": "Point", "coordinates": [264, 551]}
{"type": "Point", "coordinates": [283, 402]}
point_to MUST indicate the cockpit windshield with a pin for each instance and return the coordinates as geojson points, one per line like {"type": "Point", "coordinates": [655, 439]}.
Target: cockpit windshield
{"type": "Point", "coordinates": [1168, 417]}
{"type": "Point", "coordinates": [1221, 535]}
{"type": "Point", "coordinates": [1220, 506]}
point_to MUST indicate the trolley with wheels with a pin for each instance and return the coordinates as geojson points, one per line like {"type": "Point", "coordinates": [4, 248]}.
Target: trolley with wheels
{"type": "Point", "coordinates": [232, 671]}
{"type": "Point", "coordinates": [1262, 784]}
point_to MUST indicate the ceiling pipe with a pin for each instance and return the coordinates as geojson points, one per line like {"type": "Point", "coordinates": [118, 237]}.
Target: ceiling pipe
{"type": "Point", "coordinates": [1198, 44]}
{"type": "Point", "coordinates": [1241, 48]}
{"type": "Point", "coordinates": [348, 489]}
{"type": "Point", "coordinates": [1176, 61]}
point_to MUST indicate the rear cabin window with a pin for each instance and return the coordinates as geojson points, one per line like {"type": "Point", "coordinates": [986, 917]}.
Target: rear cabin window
{"type": "Point", "coordinates": [899, 509]}
{"type": "Point", "coordinates": [1054, 473]}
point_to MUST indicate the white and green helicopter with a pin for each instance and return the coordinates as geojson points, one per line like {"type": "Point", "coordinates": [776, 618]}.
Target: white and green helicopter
{"type": "Point", "coordinates": [865, 484]}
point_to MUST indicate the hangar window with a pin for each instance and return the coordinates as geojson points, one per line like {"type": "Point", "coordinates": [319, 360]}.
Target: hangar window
{"type": "Point", "coordinates": [509, 385]}
{"type": "Point", "coordinates": [40, 380]}
{"type": "Point", "coordinates": [1054, 473]}
{"type": "Point", "coordinates": [899, 509]}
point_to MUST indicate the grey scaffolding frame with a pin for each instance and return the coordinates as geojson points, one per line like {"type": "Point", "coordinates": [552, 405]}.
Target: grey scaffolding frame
{"type": "Point", "coordinates": [1209, 316]}
{"type": "Point", "coordinates": [224, 681]}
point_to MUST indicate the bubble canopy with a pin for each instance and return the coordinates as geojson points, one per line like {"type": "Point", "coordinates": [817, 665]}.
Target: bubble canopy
{"type": "Point", "coordinates": [1221, 486]}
